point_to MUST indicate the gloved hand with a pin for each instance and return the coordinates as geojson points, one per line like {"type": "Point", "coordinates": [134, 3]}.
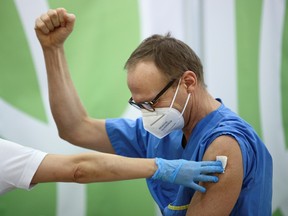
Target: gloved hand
{"type": "Point", "coordinates": [187, 173]}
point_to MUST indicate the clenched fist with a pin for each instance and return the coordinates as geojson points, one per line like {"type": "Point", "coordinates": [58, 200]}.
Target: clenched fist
{"type": "Point", "coordinates": [53, 27]}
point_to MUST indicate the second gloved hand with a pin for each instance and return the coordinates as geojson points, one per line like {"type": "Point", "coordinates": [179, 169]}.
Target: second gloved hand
{"type": "Point", "coordinates": [187, 173]}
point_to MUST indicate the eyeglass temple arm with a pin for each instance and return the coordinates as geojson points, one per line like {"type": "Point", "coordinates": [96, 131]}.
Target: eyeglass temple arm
{"type": "Point", "coordinates": [163, 90]}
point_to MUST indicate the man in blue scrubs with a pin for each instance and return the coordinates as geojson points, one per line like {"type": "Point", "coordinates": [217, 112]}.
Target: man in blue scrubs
{"type": "Point", "coordinates": [180, 119]}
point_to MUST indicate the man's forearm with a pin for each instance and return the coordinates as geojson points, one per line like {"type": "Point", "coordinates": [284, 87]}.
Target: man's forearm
{"type": "Point", "coordinates": [66, 106]}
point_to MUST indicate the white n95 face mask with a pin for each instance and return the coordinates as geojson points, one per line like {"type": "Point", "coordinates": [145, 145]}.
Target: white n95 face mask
{"type": "Point", "coordinates": [164, 120]}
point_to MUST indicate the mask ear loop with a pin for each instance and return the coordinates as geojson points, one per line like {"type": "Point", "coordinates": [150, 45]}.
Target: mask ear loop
{"type": "Point", "coordinates": [187, 100]}
{"type": "Point", "coordinates": [186, 103]}
{"type": "Point", "coordinates": [176, 92]}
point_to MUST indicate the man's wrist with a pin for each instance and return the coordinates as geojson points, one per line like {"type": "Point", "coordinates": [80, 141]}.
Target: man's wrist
{"type": "Point", "coordinates": [157, 168]}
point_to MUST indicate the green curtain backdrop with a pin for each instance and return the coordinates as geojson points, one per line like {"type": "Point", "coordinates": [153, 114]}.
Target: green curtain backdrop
{"type": "Point", "coordinates": [105, 34]}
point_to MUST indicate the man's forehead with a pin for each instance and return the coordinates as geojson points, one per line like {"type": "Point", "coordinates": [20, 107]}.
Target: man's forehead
{"type": "Point", "coordinates": [146, 70]}
{"type": "Point", "coordinates": [145, 81]}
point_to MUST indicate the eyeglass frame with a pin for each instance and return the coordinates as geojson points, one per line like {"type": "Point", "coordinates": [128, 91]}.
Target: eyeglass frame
{"type": "Point", "coordinates": [146, 104]}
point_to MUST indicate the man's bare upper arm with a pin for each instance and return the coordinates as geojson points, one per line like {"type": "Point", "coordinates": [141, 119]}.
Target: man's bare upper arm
{"type": "Point", "coordinates": [221, 197]}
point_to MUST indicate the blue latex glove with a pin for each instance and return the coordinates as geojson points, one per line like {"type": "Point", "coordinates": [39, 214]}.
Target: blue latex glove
{"type": "Point", "coordinates": [187, 173]}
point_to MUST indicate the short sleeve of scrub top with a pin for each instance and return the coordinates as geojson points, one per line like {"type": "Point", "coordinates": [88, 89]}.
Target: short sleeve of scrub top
{"type": "Point", "coordinates": [128, 137]}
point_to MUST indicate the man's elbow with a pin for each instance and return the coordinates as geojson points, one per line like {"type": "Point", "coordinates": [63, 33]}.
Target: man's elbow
{"type": "Point", "coordinates": [83, 173]}
{"type": "Point", "coordinates": [80, 174]}
{"type": "Point", "coordinates": [70, 137]}
{"type": "Point", "coordinates": [65, 135]}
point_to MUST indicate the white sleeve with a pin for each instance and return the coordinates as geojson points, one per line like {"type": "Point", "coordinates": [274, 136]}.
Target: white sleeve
{"type": "Point", "coordinates": [18, 165]}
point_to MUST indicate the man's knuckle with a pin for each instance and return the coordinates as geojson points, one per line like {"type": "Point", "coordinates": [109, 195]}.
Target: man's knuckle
{"type": "Point", "coordinates": [52, 13]}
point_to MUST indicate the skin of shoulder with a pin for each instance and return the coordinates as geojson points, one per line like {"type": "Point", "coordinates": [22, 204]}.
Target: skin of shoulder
{"type": "Point", "coordinates": [220, 198]}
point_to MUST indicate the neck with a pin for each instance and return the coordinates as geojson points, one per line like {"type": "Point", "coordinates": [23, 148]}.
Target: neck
{"type": "Point", "coordinates": [200, 105]}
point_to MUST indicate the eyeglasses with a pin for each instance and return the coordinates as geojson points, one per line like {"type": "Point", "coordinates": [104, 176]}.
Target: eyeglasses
{"type": "Point", "coordinates": [148, 105]}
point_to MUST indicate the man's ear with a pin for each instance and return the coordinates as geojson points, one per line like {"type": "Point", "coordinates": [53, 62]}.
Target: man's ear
{"type": "Point", "coordinates": [190, 80]}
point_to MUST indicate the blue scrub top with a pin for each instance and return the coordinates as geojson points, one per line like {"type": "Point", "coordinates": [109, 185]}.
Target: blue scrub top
{"type": "Point", "coordinates": [129, 138]}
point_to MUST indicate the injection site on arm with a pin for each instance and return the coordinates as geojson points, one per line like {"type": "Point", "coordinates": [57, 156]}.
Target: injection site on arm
{"type": "Point", "coordinates": [223, 160]}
